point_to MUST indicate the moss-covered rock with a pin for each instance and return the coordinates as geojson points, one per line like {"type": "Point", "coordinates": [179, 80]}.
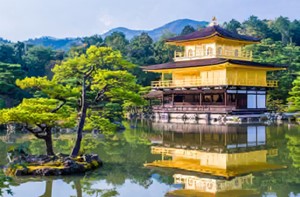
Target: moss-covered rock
{"type": "Point", "coordinates": [44, 165]}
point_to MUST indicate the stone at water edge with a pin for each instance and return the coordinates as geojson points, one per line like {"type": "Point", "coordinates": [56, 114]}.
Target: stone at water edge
{"type": "Point", "coordinates": [43, 165]}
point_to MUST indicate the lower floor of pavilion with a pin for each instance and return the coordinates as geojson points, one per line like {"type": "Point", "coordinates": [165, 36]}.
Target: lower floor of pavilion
{"type": "Point", "coordinates": [210, 100]}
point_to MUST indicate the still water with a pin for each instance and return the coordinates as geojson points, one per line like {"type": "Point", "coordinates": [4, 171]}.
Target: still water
{"type": "Point", "coordinates": [164, 159]}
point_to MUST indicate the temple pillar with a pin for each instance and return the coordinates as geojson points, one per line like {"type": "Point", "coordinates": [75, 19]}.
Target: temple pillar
{"type": "Point", "coordinates": [173, 99]}
{"type": "Point", "coordinates": [225, 98]}
{"type": "Point", "coordinates": [200, 99]}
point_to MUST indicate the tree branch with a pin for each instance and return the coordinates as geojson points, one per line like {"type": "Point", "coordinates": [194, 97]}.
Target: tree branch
{"type": "Point", "coordinates": [100, 94]}
{"type": "Point", "coordinates": [89, 72]}
{"type": "Point", "coordinates": [35, 133]}
{"type": "Point", "coordinates": [59, 106]}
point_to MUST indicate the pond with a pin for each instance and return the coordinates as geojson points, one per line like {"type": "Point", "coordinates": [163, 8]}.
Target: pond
{"type": "Point", "coordinates": [164, 159]}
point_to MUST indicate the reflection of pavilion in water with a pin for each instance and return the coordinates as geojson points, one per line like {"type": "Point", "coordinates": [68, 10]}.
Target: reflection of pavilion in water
{"type": "Point", "coordinates": [231, 153]}
{"type": "Point", "coordinates": [198, 186]}
{"type": "Point", "coordinates": [213, 138]}
{"type": "Point", "coordinates": [225, 151]}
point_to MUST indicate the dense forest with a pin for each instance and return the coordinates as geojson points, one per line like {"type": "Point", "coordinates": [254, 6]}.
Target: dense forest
{"type": "Point", "coordinates": [280, 45]}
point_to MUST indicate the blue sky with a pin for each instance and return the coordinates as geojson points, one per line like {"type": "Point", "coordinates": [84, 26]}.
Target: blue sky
{"type": "Point", "coordinates": [23, 19]}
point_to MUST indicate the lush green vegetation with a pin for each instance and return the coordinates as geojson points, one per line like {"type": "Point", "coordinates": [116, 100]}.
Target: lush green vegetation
{"type": "Point", "coordinates": [83, 91]}
{"type": "Point", "coordinates": [91, 85]}
{"type": "Point", "coordinates": [280, 45]}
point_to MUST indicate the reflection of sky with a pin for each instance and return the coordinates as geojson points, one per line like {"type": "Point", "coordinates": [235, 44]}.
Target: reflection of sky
{"type": "Point", "coordinates": [59, 188]}
{"type": "Point", "coordinates": [62, 189]}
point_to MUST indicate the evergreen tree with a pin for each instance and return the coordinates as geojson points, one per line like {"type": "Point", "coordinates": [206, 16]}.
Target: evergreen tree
{"type": "Point", "coordinates": [117, 41]}
{"type": "Point", "coordinates": [294, 99]}
{"type": "Point", "coordinates": [187, 30]}
{"type": "Point", "coordinates": [233, 25]}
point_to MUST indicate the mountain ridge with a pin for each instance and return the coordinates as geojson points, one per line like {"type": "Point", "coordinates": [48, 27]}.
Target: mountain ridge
{"type": "Point", "coordinates": [174, 27]}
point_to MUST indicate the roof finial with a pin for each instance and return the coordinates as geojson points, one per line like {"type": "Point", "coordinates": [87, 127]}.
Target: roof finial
{"type": "Point", "coordinates": [213, 21]}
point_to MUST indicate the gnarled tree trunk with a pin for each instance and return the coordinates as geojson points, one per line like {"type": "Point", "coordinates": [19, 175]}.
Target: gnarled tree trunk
{"type": "Point", "coordinates": [48, 141]}
{"type": "Point", "coordinates": [44, 133]}
{"type": "Point", "coordinates": [83, 110]}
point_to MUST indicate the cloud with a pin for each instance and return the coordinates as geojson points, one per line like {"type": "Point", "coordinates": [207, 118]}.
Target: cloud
{"type": "Point", "coordinates": [106, 20]}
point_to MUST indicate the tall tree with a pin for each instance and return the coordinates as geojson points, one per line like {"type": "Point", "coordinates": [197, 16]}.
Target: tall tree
{"type": "Point", "coordinates": [294, 99]}
{"type": "Point", "coordinates": [295, 31]}
{"type": "Point", "coordinates": [98, 74]}
{"type": "Point", "coordinates": [275, 52]}
{"type": "Point", "coordinates": [255, 27]}
{"type": "Point", "coordinates": [187, 30]}
{"type": "Point", "coordinates": [7, 53]}
{"type": "Point", "coordinates": [10, 94]}
{"type": "Point", "coordinates": [37, 59]}
{"type": "Point", "coordinates": [282, 25]}
{"type": "Point", "coordinates": [117, 41]}
{"type": "Point", "coordinates": [93, 40]}
{"type": "Point", "coordinates": [39, 116]}
{"type": "Point", "coordinates": [140, 50]}
{"type": "Point", "coordinates": [233, 25]}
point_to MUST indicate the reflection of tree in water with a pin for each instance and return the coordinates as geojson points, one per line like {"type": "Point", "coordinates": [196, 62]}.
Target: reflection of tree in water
{"type": "Point", "coordinates": [4, 184]}
{"type": "Point", "coordinates": [124, 160]}
{"type": "Point", "coordinates": [48, 189]}
{"type": "Point", "coordinates": [82, 185]}
{"type": "Point", "coordinates": [87, 187]}
{"type": "Point", "coordinates": [282, 182]}
{"type": "Point", "coordinates": [123, 155]}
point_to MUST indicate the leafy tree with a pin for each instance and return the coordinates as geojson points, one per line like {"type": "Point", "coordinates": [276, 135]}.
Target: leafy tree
{"type": "Point", "coordinates": [255, 27]}
{"type": "Point", "coordinates": [233, 25]}
{"type": "Point", "coordinates": [19, 50]}
{"type": "Point", "coordinates": [163, 52]}
{"type": "Point", "coordinates": [117, 41]}
{"type": "Point", "coordinates": [5, 185]}
{"type": "Point", "coordinates": [76, 50]}
{"type": "Point", "coordinates": [295, 31]}
{"type": "Point", "coordinates": [93, 40]}
{"type": "Point", "coordinates": [9, 92]}
{"type": "Point", "coordinates": [140, 50]}
{"type": "Point", "coordinates": [282, 25]}
{"type": "Point", "coordinates": [100, 75]}
{"type": "Point", "coordinates": [39, 116]}
{"type": "Point", "coordinates": [294, 99]}
{"type": "Point", "coordinates": [275, 52]}
{"type": "Point", "coordinates": [7, 53]}
{"type": "Point", "coordinates": [187, 30]}
{"type": "Point", "coordinates": [37, 59]}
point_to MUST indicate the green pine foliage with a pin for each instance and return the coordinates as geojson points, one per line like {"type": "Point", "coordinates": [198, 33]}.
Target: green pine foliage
{"type": "Point", "coordinates": [294, 99]}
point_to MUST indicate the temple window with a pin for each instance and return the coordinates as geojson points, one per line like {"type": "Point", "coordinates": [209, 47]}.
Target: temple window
{"type": "Point", "coordinates": [190, 53]}
{"type": "Point", "coordinates": [236, 52]}
{"type": "Point", "coordinates": [209, 51]}
{"type": "Point", "coordinates": [219, 51]}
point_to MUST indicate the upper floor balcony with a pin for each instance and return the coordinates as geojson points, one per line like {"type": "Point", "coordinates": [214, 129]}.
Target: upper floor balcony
{"type": "Point", "coordinates": [210, 52]}
{"type": "Point", "coordinates": [193, 83]}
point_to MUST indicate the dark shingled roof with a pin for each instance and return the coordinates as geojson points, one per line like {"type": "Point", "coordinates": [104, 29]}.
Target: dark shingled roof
{"type": "Point", "coordinates": [206, 62]}
{"type": "Point", "coordinates": [154, 94]}
{"type": "Point", "coordinates": [211, 31]}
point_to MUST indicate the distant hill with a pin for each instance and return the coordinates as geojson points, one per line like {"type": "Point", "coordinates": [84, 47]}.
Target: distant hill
{"type": "Point", "coordinates": [60, 44]}
{"type": "Point", "coordinates": [66, 43]}
{"type": "Point", "coordinates": [173, 27]}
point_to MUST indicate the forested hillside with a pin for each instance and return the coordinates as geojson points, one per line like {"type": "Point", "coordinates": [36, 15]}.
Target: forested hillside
{"type": "Point", "coordinates": [280, 45]}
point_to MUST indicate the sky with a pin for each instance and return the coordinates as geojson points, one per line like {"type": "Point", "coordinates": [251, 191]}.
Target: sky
{"type": "Point", "coordinates": [23, 19]}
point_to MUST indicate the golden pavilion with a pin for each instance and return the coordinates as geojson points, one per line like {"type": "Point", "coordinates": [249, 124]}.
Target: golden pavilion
{"type": "Point", "coordinates": [213, 74]}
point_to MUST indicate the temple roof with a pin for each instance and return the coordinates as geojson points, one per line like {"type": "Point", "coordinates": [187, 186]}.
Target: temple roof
{"type": "Point", "coordinates": [210, 32]}
{"type": "Point", "coordinates": [206, 62]}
